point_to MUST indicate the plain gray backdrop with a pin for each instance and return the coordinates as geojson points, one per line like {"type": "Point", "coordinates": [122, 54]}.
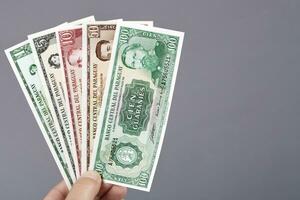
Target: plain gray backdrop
{"type": "Point", "coordinates": [234, 126]}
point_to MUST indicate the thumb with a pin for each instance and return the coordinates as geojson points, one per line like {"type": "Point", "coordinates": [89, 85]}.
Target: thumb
{"type": "Point", "coordinates": [87, 187]}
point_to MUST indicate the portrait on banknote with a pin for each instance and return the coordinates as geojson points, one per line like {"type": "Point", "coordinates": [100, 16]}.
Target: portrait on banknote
{"type": "Point", "coordinates": [75, 57]}
{"type": "Point", "coordinates": [150, 58]}
{"type": "Point", "coordinates": [103, 50]}
{"type": "Point", "coordinates": [53, 61]}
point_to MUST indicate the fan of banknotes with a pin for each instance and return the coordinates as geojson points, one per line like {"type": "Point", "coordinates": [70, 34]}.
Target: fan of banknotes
{"type": "Point", "coordinates": [100, 92]}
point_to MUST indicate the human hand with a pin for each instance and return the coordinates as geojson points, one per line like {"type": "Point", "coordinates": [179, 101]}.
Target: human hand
{"type": "Point", "coordinates": [88, 187]}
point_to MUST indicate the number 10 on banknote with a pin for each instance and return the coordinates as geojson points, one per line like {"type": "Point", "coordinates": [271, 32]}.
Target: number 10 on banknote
{"type": "Point", "coordinates": [136, 103]}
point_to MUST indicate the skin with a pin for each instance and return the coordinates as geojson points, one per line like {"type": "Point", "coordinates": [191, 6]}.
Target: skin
{"type": "Point", "coordinates": [88, 187]}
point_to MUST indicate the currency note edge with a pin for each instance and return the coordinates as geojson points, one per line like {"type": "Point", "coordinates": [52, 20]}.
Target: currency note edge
{"type": "Point", "coordinates": [84, 87]}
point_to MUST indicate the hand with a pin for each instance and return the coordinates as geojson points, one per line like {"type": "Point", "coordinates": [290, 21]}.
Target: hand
{"type": "Point", "coordinates": [88, 187]}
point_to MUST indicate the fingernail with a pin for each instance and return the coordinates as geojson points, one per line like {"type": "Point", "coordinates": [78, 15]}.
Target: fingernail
{"type": "Point", "coordinates": [93, 175]}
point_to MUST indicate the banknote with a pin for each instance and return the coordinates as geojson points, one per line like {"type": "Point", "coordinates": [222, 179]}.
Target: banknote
{"type": "Point", "coordinates": [47, 56]}
{"type": "Point", "coordinates": [97, 43]}
{"type": "Point", "coordinates": [45, 51]}
{"type": "Point", "coordinates": [136, 102]}
{"type": "Point", "coordinates": [22, 61]}
{"type": "Point", "coordinates": [70, 51]}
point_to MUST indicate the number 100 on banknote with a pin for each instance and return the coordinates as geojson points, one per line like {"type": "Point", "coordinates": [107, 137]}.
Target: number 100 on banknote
{"type": "Point", "coordinates": [136, 103]}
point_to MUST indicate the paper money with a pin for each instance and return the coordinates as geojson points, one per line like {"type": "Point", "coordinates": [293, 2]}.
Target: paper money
{"type": "Point", "coordinates": [44, 47]}
{"type": "Point", "coordinates": [97, 41]}
{"type": "Point", "coordinates": [22, 61]}
{"type": "Point", "coordinates": [70, 51]}
{"type": "Point", "coordinates": [98, 38]}
{"type": "Point", "coordinates": [136, 103]}
{"type": "Point", "coordinates": [45, 44]}
{"type": "Point", "coordinates": [101, 94]}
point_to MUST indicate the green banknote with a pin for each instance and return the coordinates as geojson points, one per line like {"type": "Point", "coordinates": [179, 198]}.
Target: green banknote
{"type": "Point", "coordinates": [21, 59]}
{"type": "Point", "coordinates": [136, 103]}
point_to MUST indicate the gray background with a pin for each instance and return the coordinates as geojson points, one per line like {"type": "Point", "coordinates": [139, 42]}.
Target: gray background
{"type": "Point", "coordinates": [234, 125]}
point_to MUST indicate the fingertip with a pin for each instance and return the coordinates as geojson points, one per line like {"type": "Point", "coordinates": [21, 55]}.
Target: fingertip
{"type": "Point", "coordinates": [86, 187]}
{"type": "Point", "coordinates": [92, 175]}
{"type": "Point", "coordinates": [116, 192]}
{"type": "Point", "coordinates": [122, 191]}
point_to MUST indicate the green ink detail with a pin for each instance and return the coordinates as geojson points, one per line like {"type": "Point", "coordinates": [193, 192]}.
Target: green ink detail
{"type": "Point", "coordinates": [135, 111]}
{"type": "Point", "coordinates": [33, 69]}
{"type": "Point", "coordinates": [141, 180]}
{"type": "Point", "coordinates": [126, 155]}
{"type": "Point", "coordinates": [136, 56]}
{"type": "Point", "coordinates": [21, 52]}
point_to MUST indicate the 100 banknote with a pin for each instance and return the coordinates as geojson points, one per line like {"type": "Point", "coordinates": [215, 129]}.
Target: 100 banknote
{"type": "Point", "coordinates": [136, 103]}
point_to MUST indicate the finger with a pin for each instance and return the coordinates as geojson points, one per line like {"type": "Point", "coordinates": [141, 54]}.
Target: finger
{"type": "Point", "coordinates": [87, 187]}
{"type": "Point", "coordinates": [58, 192]}
{"type": "Point", "coordinates": [115, 193]}
{"type": "Point", "coordinates": [105, 187]}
